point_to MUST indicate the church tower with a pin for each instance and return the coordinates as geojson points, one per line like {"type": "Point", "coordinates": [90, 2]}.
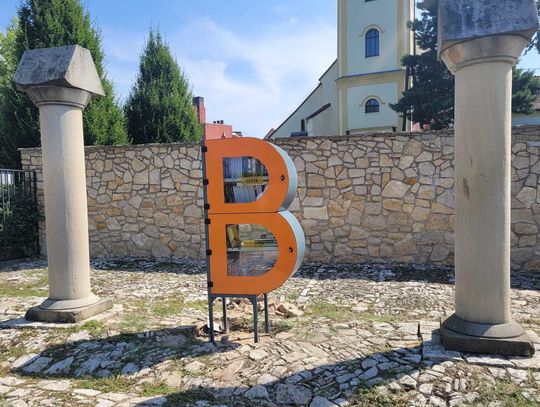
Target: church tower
{"type": "Point", "coordinates": [355, 92]}
{"type": "Point", "coordinates": [372, 38]}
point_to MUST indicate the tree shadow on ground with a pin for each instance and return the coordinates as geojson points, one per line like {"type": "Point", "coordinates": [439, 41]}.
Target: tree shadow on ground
{"type": "Point", "coordinates": [125, 354]}
{"type": "Point", "coordinates": [401, 272]}
{"type": "Point", "coordinates": [127, 358]}
{"type": "Point", "coordinates": [349, 382]}
{"type": "Point", "coordinates": [123, 364]}
{"type": "Point", "coordinates": [377, 272]}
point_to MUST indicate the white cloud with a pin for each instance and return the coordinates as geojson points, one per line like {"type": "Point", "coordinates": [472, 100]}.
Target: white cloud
{"type": "Point", "coordinates": [251, 81]}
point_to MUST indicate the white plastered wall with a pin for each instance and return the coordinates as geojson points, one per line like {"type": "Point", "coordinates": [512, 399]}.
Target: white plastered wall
{"type": "Point", "coordinates": [379, 14]}
{"type": "Point", "coordinates": [326, 124]}
{"type": "Point", "coordinates": [386, 118]}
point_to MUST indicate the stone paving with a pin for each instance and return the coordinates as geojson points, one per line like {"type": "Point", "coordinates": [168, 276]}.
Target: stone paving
{"type": "Point", "coordinates": [343, 335]}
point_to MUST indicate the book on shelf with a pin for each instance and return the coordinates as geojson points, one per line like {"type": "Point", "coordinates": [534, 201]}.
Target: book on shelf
{"type": "Point", "coordinates": [238, 167]}
{"type": "Point", "coordinates": [243, 193]}
{"type": "Point", "coordinates": [233, 236]}
{"type": "Point", "coordinates": [245, 179]}
{"type": "Point", "coordinates": [250, 263]}
{"type": "Point", "coordinates": [259, 243]}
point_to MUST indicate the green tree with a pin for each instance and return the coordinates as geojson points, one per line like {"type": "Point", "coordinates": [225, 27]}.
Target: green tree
{"type": "Point", "coordinates": [431, 98]}
{"type": "Point", "coordinates": [52, 23]}
{"type": "Point", "coordinates": [8, 59]}
{"type": "Point", "coordinates": [159, 108]}
{"type": "Point", "coordinates": [430, 101]}
{"type": "Point", "coordinates": [8, 64]}
{"type": "Point", "coordinates": [526, 87]}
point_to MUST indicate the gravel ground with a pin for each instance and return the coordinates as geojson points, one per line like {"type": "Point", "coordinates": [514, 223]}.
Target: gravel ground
{"type": "Point", "coordinates": [341, 335]}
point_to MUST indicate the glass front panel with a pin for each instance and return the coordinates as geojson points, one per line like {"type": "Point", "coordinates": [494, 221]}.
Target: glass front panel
{"type": "Point", "coordinates": [246, 179]}
{"type": "Point", "coordinates": [251, 250]}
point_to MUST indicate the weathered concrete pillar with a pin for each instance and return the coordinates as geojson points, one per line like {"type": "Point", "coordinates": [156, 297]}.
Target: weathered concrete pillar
{"type": "Point", "coordinates": [61, 81]}
{"type": "Point", "coordinates": [480, 41]}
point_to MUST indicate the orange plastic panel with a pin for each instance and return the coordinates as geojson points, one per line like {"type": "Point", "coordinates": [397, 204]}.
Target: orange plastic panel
{"type": "Point", "coordinates": [278, 175]}
{"type": "Point", "coordinates": [286, 264]}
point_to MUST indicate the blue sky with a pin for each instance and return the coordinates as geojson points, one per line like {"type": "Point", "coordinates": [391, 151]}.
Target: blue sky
{"type": "Point", "coordinates": [253, 61]}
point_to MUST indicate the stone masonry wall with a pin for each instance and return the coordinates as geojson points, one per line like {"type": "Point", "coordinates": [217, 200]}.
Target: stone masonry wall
{"type": "Point", "coordinates": [369, 197]}
{"type": "Point", "coordinates": [142, 200]}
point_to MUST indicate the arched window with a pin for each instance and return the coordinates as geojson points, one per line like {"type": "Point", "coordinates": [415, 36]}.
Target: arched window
{"type": "Point", "coordinates": [372, 43]}
{"type": "Point", "coordinates": [372, 106]}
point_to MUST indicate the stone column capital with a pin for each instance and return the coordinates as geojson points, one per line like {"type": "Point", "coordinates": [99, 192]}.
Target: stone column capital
{"type": "Point", "coordinates": [56, 95]}
{"type": "Point", "coordinates": [59, 76]}
{"type": "Point", "coordinates": [494, 48]}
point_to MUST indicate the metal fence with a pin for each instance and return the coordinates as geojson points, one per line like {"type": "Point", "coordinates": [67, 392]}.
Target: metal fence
{"type": "Point", "coordinates": [19, 215]}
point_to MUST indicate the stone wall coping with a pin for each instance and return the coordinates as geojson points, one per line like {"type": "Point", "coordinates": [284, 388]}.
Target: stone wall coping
{"type": "Point", "coordinates": [121, 147]}
{"type": "Point", "coordinates": [517, 131]}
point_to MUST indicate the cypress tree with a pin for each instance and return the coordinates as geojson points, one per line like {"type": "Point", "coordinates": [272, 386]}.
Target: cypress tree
{"type": "Point", "coordinates": [52, 23]}
{"type": "Point", "coordinates": [159, 108]}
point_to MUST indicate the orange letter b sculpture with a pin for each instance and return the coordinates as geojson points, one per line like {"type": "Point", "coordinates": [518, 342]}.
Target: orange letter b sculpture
{"type": "Point", "coordinates": [253, 243]}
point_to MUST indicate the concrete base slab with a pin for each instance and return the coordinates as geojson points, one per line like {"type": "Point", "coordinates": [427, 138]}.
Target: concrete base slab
{"type": "Point", "coordinates": [517, 346]}
{"type": "Point", "coordinates": [75, 315]}
{"type": "Point", "coordinates": [23, 323]}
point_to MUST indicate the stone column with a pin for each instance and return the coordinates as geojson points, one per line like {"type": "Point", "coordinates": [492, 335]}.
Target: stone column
{"type": "Point", "coordinates": [61, 81]}
{"type": "Point", "coordinates": [480, 42]}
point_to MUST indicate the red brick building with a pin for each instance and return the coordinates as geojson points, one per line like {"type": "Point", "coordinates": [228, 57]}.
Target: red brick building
{"type": "Point", "coordinates": [216, 129]}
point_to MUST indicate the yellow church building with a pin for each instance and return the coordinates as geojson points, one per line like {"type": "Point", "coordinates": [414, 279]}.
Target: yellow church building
{"type": "Point", "coordinates": [356, 91]}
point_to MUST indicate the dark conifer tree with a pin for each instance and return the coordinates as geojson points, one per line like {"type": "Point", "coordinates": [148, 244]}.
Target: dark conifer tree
{"type": "Point", "coordinates": [526, 87]}
{"type": "Point", "coordinates": [52, 23]}
{"type": "Point", "coordinates": [430, 100]}
{"type": "Point", "coordinates": [159, 108]}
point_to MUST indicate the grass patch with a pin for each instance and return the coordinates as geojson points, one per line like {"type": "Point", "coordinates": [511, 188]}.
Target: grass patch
{"type": "Point", "coordinates": [199, 305]}
{"type": "Point", "coordinates": [292, 297]}
{"type": "Point", "coordinates": [12, 352]}
{"type": "Point", "coordinates": [113, 384]}
{"type": "Point", "coordinates": [154, 390]}
{"type": "Point", "coordinates": [187, 396]}
{"type": "Point", "coordinates": [35, 288]}
{"type": "Point", "coordinates": [164, 307]}
{"type": "Point", "coordinates": [531, 321]}
{"type": "Point", "coordinates": [284, 325]}
{"type": "Point", "coordinates": [384, 318]}
{"type": "Point", "coordinates": [20, 346]}
{"type": "Point", "coordinates": [134, 323]}
{"type": "Point", "coordinates": [331, 311]}
{"type": "Point", "coordinates": [94, 328]}
{"type": "Point", "coordinates": [505, 392]}
{"type": "Point", "coordinates": [372, 397]}
{"type": "Point", "coordinates": [167, 308]}
{"type": "Point", "coordinates": [141, 313]}
{"type": "Point", "coordinates": [293, 325]}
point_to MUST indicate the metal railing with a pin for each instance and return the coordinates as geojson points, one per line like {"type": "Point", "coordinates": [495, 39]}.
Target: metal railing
{"type": "Point", "coordinates": [19, 214]}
